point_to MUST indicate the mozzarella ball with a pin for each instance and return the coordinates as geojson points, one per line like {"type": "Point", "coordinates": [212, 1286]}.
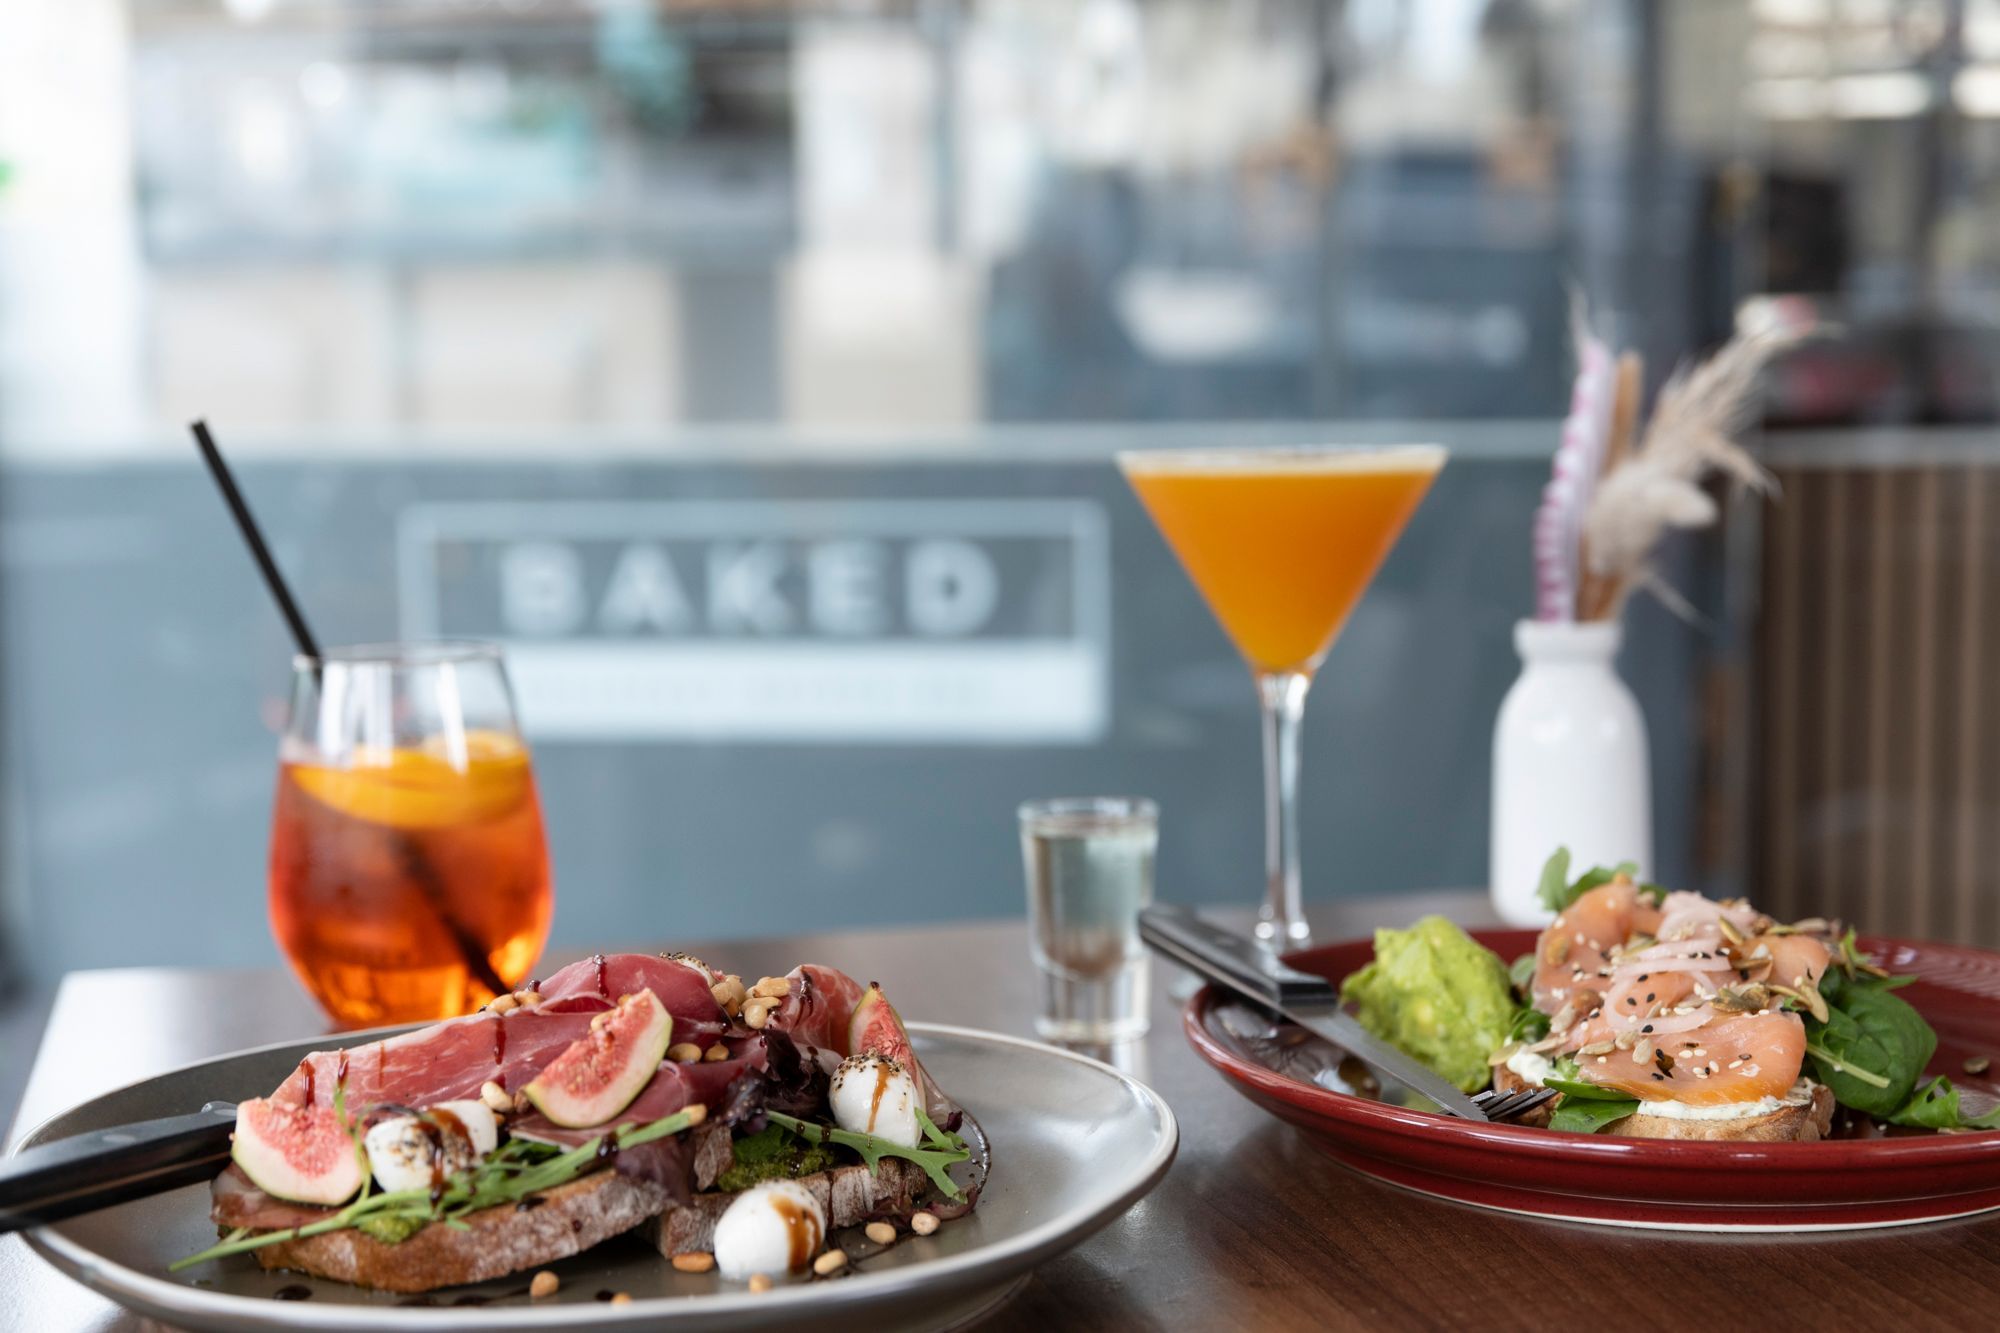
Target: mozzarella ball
{"type": "Point", "coordinates": [872, 1094]}
{"type": "Point", "coordinates": [405, 1151]}
{"type": "Point", "coordinates": [773, 1228]}
{"type": "Point", "coordinates": [481, 1126]}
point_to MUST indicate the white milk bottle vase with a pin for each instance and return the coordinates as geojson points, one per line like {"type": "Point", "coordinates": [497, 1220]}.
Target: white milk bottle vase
{"type": "Point", "coordinates": [1570, 764]}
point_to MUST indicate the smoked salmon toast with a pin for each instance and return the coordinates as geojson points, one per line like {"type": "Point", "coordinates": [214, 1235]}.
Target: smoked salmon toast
{"type": "Point", "coordinates": [1658, 1014]}
{"type": "Point", "coordinates": [1680, 1004]}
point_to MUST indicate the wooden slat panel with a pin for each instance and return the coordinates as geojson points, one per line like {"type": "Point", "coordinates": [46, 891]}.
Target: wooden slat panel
{"type": "Point", "coordinates": [1878, 772]}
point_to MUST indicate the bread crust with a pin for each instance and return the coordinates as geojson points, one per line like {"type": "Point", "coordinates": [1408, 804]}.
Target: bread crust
{"type": "Point", "coordinates": [1788, 1124]}
{"type": "Point", "coordinates": [495, 1241]}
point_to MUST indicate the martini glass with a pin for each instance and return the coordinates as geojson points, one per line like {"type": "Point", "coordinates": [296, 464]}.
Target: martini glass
{"type": "Point", "coordinates": [1281, 544]}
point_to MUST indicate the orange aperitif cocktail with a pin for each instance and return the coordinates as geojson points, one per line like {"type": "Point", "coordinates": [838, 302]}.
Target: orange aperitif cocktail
{"type": "Point", "coordinates": [1282, 543]}
{"type": "Point", "coordinates": [409, 872]}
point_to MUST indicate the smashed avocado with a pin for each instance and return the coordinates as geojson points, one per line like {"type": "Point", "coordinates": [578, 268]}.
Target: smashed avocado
{"type": "Point", "coordinates": [1436, 994]}
{"type": "Point", "coordinates": [773, 1153]}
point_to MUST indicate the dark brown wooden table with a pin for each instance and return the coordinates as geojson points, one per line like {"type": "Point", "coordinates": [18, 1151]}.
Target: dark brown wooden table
{"type": "Point", "coordinates": [1252, 1228]}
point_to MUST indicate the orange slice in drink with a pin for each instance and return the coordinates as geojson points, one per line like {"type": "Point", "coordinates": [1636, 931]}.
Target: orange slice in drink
{"type": "Point", "coordinates": [436, 785]}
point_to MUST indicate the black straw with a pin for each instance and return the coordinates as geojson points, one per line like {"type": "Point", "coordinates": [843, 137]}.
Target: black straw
{"type": "Point", "coordinates": [253, 537]}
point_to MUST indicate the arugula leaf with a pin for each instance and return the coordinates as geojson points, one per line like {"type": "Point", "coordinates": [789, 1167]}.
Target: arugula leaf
{"type": "Point", "coordinates": [1872, 1048]}
{"type": "Point", "coordinates": [1585, 1116]}
{"type": "Point", "coordinates": [946, 1149]}
{"type": "Point", "coordinates": [1557, 891]}
{"type": "Point", "coordinates": [1935, 1106]}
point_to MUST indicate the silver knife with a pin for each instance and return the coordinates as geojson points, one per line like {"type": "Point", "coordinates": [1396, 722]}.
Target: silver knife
{"type": "Point", "coordinates": [1246, 967]}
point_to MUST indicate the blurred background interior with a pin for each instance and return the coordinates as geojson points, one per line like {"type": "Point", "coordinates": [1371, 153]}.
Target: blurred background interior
{"type": "Point", "coordinates": [629, 331]}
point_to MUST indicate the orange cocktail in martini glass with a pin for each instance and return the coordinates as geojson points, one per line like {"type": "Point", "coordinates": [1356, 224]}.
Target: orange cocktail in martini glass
{"type": "Point", "coordinates": [1281, 544]}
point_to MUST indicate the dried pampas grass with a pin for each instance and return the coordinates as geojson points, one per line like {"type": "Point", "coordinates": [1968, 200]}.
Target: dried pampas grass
{"type": "Point", "coordinates": [1659, 485]}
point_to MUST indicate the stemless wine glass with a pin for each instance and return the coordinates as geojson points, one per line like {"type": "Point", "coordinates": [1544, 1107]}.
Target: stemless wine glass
{"type": "Point", "coordinates": [1282, 543]}
{"type": "Point", "coordinates": [409, 873]}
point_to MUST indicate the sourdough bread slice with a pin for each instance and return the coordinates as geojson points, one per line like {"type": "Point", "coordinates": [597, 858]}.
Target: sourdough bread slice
{"type": "Point", "coordinates": [1804, 1123]}
{"type": "Point", "coordinates": [494, 1242]}
{"type": "Point", "coordinates": [1807, 1122]}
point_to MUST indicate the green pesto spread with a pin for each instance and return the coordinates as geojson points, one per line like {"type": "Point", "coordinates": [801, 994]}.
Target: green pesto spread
{"type": "Point", "coordinates": [773, 1154]}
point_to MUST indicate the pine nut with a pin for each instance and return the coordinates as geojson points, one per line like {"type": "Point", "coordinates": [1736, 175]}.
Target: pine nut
{"type": "Point", "coordinates": [775, 988]}
{"type": "Point", "coordinates": [760, 1282]}
{"type": "Point", "coordinates": [729, 993]}
{"type": "Point", "coordinates": [529, 998]}
{"type": "Point", "coordinates": [544, 1285]}
{"type": "Point", "coordinates": [695, 1261]}
{"type": "Point", "coordinates": [695, 1112]}
{"type": "Point", "coordinates": [758, 1012]}
{"type": "Point", "coordinates": [715, 1052]}
{"type": "Point", "coordinates": [503, 1004]}
{"type": "Point", "coordinates": [495, 1096]}
{"type": "Point", "coordinates": [830, 1263]}
{"type": "Point", "coordinates": [924, 1223]}
{"type": "Point", "coordinates": [880, 1232]}
{"type": "Point", "coordinates": [684, 1052]}
{"type": "Point", "coordinates": [622, 1298]}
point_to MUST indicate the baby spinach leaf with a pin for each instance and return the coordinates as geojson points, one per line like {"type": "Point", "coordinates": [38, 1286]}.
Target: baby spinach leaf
{"type": "Point", "coordinates": [1587, 1115]}
{"type": "Point", "coordinates": [1530, 1025]}
{"type": "Point", "coordinates": [1522, 972]}
{"type": "Point", "coordinates": [1872, 1048]}
{"type": "Point", "coordinates": [1557, 891]}
{"type": "Point", "coordinates": [1576, 1089]}
{"type": "Point", "coordinates": [1554, 891]}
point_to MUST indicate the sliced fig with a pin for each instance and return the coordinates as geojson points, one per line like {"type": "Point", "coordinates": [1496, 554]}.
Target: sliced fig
{"type": "Point", "coordinates": [603, 1070]}
{"type": "Point", "coordinates": [876, 1029]}
{"type": "Point", "coordinates": [300, 1153]}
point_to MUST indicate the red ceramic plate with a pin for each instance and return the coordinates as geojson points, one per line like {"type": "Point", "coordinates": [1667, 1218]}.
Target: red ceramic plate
{"type": "Point", "coordinates": [1685, 1185]}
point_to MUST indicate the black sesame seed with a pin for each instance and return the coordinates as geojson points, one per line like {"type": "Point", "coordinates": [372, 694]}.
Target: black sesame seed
{"type": "Point", "coordinates": [1647, 1028]}
{"type": "Point", "coordinates": [1650, 997]}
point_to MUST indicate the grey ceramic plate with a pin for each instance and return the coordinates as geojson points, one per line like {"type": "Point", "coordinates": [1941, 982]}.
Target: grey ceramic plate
{"type": "Point", "coordinates": [1074, 1143]}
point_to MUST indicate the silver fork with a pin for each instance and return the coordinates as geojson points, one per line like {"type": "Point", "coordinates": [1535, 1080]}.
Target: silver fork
{"type": "Point", "coordinates": [1508, 1106]}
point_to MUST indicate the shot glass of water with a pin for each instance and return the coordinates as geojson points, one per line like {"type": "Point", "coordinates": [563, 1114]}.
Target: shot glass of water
{"type": "Point", "coordinates": [1089, 861]}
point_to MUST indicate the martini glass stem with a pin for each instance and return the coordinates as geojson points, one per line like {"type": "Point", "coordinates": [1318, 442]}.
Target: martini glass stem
{"type": "Point", "coordinates": [1281, 923]}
